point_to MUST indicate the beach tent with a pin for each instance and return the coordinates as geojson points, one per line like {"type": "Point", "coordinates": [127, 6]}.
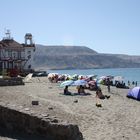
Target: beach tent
{"type": "Point", "coordinates": [134, 93]}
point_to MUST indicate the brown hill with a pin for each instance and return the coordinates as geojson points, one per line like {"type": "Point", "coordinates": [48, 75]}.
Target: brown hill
{"type": "Point", "coordinates": [80, 57]}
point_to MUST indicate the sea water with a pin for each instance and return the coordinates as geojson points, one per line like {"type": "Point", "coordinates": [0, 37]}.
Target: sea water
{"type": "Point", "coordinates": [131, 74]}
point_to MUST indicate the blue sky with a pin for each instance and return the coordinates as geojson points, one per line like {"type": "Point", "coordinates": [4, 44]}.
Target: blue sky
{"type": "Point", "coordinates": [106, 26]}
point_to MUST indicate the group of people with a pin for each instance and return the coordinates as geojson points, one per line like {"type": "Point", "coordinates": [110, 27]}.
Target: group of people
{"type": "Point", "coordinates": [81, 90]}
{"type": "Point", "coordinates": [133, 83]}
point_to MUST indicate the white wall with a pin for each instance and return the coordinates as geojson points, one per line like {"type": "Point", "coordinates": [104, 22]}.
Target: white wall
{"type": "Point", "coordinates": [29, 51]}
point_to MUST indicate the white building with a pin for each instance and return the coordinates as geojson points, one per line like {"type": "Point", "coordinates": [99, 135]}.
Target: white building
{"type": "Point", "coordinates": [14, 55]}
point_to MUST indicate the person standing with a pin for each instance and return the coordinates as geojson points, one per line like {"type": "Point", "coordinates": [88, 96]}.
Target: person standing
{"type": "Point", "coordinates": [108, 84]}
{"type": "Point", "coordinates": [136, 83]}
{"type": "Point", "coordinates": [128, 83]}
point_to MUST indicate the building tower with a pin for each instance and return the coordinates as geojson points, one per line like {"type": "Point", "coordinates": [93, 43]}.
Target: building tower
{"type": "Point", "coordinates": [28, 39]}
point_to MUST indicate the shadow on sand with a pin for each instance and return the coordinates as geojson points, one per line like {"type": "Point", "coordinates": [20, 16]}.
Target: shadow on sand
{"type": "Point", "coordinates": [4, 133]}
{"type": "Point", "coordinates": [76, 94]}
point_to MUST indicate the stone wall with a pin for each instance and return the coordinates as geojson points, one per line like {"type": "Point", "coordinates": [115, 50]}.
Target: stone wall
{"type": "Point", "coordinates": [11, 81]}
{"type": "Point", "coordinates": [18, 121]}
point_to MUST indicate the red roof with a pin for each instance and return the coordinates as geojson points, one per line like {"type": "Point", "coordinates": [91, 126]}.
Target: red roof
{"type": "Point", "coordinates": [10, 43]}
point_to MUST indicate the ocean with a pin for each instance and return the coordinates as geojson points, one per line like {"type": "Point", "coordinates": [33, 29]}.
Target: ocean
{"type": "Point", "coordinates": [131, 74]}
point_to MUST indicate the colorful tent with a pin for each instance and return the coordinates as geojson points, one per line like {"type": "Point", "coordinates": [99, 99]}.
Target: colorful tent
{"type": "Point", "coordinates": [134, 93]}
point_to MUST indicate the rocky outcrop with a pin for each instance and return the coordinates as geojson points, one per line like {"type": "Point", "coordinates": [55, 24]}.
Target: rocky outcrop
{"type": "Point", "coordinates": [51, 129]}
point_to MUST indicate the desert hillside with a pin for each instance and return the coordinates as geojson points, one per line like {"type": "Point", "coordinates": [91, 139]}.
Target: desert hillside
{"type": "Point", "coordinates": [80, 57]}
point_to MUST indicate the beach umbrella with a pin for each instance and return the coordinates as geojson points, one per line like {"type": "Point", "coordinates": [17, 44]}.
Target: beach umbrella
{"type": "Point", "coordinates": [66, 83]}
{"type": "Point", "coordinates": [92, 82]}
{"type": "Point", "coordinates": [118, 78]}
{"type": "Point", "coordinates": [52, 74]}
{"type": "Point", "coordinates": [109, 77]}
{"type": "Point", "coordinates": [81, 77]}
{"type": "Point", "coordinates": [74, 77]}
{"type": "Point", "coordinates": [102, 77]}
{"type": "Point", "coordinates": [134, 93]}
{"type": "Point", "coordinates": [89, 77]}
{"type": "Point", "coordinates": [79, 82]}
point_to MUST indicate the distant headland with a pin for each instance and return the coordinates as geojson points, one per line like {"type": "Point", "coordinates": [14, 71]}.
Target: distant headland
{"type": "Point", "coordinates": [80, 57]}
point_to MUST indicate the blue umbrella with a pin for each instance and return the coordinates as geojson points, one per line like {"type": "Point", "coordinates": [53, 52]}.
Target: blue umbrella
{"type": "Point", "coordinates": [134, 93]}
{"type": "Point", "coordinates": [79, 82]}
{"type": "Point", "coordinates": [66, 83]}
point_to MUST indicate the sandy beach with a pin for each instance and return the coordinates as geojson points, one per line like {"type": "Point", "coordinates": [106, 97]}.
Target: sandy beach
{"type": "Point", "coordinates": [117, 119]}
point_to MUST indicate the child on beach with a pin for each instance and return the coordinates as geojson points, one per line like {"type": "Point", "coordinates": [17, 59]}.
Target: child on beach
{"type": "Point", "coordinates": [100, 95]}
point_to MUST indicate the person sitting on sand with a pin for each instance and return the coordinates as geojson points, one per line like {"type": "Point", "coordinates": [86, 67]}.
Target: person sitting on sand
{"type": "Point", "coordinates": [100, 95]}
{"type": "Point", "coordinates": [81, 90]}
{"type": "Point", "coordinates": [66, 91]}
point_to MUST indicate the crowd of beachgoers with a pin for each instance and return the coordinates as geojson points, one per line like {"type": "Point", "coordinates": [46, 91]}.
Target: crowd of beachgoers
{"type": "Point", "coordinates": [92, 80]}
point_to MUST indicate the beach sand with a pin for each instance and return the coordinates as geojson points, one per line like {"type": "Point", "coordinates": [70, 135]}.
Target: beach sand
{"type": "Point", "coordinates": [117, 119]}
